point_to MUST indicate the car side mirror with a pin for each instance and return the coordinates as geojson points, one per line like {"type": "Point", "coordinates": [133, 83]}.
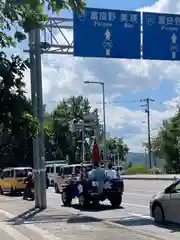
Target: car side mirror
{"type": "Point", "coordinates": [2, 177]}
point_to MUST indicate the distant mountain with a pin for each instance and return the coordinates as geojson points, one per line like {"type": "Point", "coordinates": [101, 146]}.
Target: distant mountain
{"type": "Point", "coordinates": [136, 158]}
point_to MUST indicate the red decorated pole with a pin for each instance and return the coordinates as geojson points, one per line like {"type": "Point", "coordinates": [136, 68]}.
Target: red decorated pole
{"type": "Point", "coordinates": [95, 153]}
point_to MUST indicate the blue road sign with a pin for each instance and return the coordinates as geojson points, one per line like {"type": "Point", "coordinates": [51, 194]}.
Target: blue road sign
{"type": "Point", "coordinates": [107, 33]}
{"type": "Point", "coordinates": [161, 36]}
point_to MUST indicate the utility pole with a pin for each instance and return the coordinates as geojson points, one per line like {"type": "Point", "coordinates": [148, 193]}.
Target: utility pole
{"type": "Point", "coordinates": [104, 116]}
{"type": "Point", "coordinates": [38, 109]}
{"type": "Point", "coordinates": [147, 111]}
{"type": "Point", "coordinates": [40, 113]}
{"type": "Point", "coordinates": [104, 120]}
{"type": "Point", "coordinates": [83, 140]}
{"type": "Point", "coordinates": [34, 104]}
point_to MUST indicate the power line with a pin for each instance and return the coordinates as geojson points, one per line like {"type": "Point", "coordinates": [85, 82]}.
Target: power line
{"type": "Point", "coordinates": [125, 101]}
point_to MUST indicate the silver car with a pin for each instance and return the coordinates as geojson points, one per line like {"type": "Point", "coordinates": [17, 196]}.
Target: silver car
{"type": "Point", "coordinates": [165, 206]}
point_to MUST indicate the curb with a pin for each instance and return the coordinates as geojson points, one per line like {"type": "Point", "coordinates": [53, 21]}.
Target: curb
{"type": "Point", "coordinates": [142, 233]}
{"type": "Point", "coordinates": [146, 178]}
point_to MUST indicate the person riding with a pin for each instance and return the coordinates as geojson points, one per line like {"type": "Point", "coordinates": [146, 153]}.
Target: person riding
{"type": "Point", "coordinates": [98, 175]}
{"type": "Point", "coordinates": [47, 181]}
{"type": "Point", "coordinates": [28, 183]}
{"type": "Point", "coordinates": [29, 179]}
{"type": "Point", "coordinates": [110, 173]}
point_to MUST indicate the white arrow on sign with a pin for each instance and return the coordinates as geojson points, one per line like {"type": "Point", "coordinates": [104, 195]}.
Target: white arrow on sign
{"type": "Point", "coordinates": [108, 52]}
{"type": "Point", "coordinates": [174, 38]}
{"type": "Point", "coordinates": [173, 55]}
{"type": "Point", "coordinates": [107, 34]}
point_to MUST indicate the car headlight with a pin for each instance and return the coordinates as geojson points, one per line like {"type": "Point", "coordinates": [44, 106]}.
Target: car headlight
{"type": "Point", "coordinates": [154, 196]}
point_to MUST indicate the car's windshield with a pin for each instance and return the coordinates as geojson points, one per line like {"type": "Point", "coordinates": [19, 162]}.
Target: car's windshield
{"type": "Point", "coordinates": [22, 172]}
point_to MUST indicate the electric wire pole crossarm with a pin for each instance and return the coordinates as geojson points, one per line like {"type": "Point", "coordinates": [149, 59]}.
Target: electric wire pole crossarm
{"type": "Point", "coordinates": [104, 114]}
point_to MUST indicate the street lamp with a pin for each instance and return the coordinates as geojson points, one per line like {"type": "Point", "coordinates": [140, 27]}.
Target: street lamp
{"type": "Point", "coordinates": [104, 112]}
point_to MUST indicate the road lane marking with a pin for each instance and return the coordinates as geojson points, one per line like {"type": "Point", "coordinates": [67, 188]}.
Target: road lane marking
{"type": "Point", "coordinates": [136, 194]}
{"type": "Point", "coordinates": [141, 190]}
{"type": "Point", "coordinates": [125, 194]}
{"type": "Point", "coordinates": [141, 216]}
{"type": "Point", "coordinates": [135, 205]}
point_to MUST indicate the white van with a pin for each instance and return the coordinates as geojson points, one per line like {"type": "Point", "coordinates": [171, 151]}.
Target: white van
{"type": "Point", "coordinates": [66, 172]}
{"type": "Point", "coordinates": [52, 172]}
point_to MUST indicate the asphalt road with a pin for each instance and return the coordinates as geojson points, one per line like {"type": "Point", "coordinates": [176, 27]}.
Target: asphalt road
{"type": "Point", "coordinates": [134, 211]}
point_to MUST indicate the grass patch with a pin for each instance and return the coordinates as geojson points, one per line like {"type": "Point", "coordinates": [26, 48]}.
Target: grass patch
{"type": "Point", "coordinates": [137, 169]}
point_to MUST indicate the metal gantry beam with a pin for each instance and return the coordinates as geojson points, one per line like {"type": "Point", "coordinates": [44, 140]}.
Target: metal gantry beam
{"type": "Point", "coordinates": [57, 36]}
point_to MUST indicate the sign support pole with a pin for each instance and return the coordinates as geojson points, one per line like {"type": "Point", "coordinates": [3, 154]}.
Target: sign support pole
{"type": "Point", "coordinates": [34, 104]}
{"type": "Point", "coordinates": [40, 111]}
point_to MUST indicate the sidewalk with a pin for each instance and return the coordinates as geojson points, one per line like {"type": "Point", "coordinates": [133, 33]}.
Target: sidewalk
{"type": "Point", "coordinates": [55, 224]}
{"type": "Point", "coordinates": [163, 177]}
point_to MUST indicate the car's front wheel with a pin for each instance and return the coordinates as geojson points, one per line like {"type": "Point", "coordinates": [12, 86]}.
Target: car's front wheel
{"type": "Point", "coordinates": [83, 200]}
{"type": "Point", "coordinates": [66, 198]}
{"type": "Point", "coordinates": [158, 213]}
{"type": "Point", "coordinates": [116, 200]}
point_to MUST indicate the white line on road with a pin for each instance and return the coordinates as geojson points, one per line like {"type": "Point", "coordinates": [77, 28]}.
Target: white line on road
{"type": "Point", "coordinates": [141, 190]}
{"type": "Point", "coordinates": [43, 233]}
{"type": "Point", "coordinates": [136, 194]}
{"type": "Point", "coordinates": [12, 232]}
{"type": "Point", "coordinates": [126, 193]}
{"type": "Point", "coordinates": [140, 215]}
{"type": "Point", "coordinates": [135, 205]}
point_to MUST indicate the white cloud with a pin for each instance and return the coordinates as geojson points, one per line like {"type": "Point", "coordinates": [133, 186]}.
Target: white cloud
{"type": "Point", "coordinates": [63, 76]}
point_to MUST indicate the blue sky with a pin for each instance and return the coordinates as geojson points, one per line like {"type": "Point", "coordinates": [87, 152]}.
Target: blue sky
{"type": "Point", "coordinates": [115, 4]}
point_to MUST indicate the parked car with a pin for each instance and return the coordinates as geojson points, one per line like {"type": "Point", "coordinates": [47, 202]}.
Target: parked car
{"type": "Point", "coordinates": [164, 206]}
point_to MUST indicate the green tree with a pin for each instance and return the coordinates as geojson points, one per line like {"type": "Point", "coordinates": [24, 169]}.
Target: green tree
{"type": "Point", "coordinates": [21, 18]}
{"type": "Point", "coordinates": [71, 143]}
{"type": "Point", "coordinates": [167, 142]}
{"type": "Point", "coordinates": [118, 147]}
{"type": "Point", "coordinates": [17, 125]}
